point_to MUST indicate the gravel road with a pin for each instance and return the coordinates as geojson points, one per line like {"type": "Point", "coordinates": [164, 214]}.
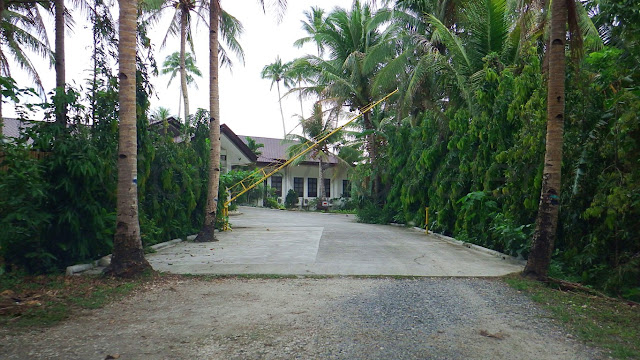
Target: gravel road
{"type": "Point", "coordinates": [333, 318]}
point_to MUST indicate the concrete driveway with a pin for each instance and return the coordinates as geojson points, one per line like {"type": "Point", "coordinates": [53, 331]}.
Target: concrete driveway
{"type": "Point", "coordinates": [266, 241]}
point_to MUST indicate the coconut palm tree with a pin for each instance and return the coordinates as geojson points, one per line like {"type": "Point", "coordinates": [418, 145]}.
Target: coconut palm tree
{"type": "Point", "coordinates": [128, 256]}
{"type": "Point", "coordinates": [181, 23]}
{"type": "Point", "coordinates": [441, 54]}
{"type": "Point", "coordinates": [277, 72]}
{"type": "Point", "coordinates": [184, 12]}
{"type": "Point", "coordinates": [59, 12]}
{"type": "Point", "coordinates": [359, 42]}
{"type": "Point", "coordinates": [62, 17]}
{"type": "Point", "coordinates": [217, 23]}
{"type": "Point", "coordinates": [172, 65]}
{"type": "Point", "coordinates": [312, 26]}
{"type": "Point", "coordinates": [547, 220]}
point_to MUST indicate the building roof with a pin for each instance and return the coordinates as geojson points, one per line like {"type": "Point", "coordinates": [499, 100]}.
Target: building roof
{"type": "Point", "coordinates": [174, 127]}
{"type": "Point", "coordinates": [238, 142]}
{"type": "Point", "coordinates": [275, 150]}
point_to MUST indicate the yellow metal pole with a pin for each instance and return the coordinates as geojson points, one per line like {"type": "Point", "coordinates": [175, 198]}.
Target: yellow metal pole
{"type": "Point", "coordinates": [225, 217]}
{"type": "Point", "coordinates": [426, 221]}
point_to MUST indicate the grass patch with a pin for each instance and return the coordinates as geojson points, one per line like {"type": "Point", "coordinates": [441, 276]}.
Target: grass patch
{"type": "Point", "coordinates": [348, 212]}
{"type": "Point", "coordinates": [606, 323]}
{"type": "Point", "coordinates": [27, 301]}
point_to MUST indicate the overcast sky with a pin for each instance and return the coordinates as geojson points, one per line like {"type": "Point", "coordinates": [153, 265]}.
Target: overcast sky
{"type": "Point", "coordinates": [247, 104]}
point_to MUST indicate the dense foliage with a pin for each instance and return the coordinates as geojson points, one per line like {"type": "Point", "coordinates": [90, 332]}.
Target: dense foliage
{"type": "Point", "coordinates": [58, 183]}
{"type": "Point", "coordinates": [473, 153]}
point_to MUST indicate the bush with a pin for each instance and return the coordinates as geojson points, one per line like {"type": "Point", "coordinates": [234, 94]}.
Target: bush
{"type": "Point", "coordinates": [291, 200]}
{"type": "Point", "coordinates": [272, 203]}
{"type": "Point", "coordinates": [369, 212]}
{"type": "Point", "coordinates": [23, 192]}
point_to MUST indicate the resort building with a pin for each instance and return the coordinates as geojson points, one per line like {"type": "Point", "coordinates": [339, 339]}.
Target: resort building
{"type": "Point", "coordinates": [303, 178]}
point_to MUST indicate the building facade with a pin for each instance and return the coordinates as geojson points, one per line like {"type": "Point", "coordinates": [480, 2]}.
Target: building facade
{"type": "Point", "coordinates": [303, 178]}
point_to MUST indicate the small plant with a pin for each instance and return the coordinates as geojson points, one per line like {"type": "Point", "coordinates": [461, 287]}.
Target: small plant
{"type": "Point", "coordinates": [271, 203]}
{"type": "Point", "coordinates": [313, 204]}
{"type": "Point", "coordinates": [291, 200]}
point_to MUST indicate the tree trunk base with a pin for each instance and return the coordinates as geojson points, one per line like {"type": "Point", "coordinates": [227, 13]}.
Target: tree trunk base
{"type": "Point", "coordinates": [533, 275]}
{"type": "Point", "coordinates": [206, 234]}
{"type": "Point", "coordinates": [129, 269]}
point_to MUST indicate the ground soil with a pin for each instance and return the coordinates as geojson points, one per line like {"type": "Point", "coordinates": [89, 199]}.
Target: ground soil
{"type": "Point", "coordinates": [330, 318]}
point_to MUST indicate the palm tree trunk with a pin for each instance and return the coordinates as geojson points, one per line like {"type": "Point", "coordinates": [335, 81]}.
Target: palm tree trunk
{"type": "Point", "coordinates": [183, 67]}
{"type": "Point", "coordinates": [321, 183]}
{"type": "Point", "coordinates": [61, 110]}
{"type": "Point", "coordinates": [1, 118]}
{"type": "Point", "coordinates": [547, 220]}
{"type": "Point", "coordinates": [207, 232]}
{"type": "Point", "coordinates": [373, 155]}
{"type": "Point", "coordinates": [284, 130]}
{"type": "Point", "coordinates": [95, 65]}
{"type": "Point", "coordinates": [300, 98]}
{"type": "Point", "coordinates": [128, 256]}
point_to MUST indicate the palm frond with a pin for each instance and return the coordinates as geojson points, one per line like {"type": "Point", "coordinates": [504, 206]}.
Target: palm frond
{"type": "Point", "coordinates": [231, 29]}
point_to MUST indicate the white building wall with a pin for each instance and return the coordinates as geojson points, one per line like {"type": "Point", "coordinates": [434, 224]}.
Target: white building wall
{"type": "Point", "coordinates": [335, 174]}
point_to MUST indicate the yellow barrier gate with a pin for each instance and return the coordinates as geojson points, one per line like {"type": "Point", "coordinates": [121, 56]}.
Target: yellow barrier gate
{"type": "Point", "coordinates": [249, 182]}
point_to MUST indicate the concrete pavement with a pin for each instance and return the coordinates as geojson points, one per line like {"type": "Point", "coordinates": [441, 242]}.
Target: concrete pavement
{"type": "Point", "coordinates": [266, 241]}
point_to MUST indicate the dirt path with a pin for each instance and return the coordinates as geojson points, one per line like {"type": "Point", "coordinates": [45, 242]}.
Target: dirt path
{"type": "Point", "coordinates": [337, 318]}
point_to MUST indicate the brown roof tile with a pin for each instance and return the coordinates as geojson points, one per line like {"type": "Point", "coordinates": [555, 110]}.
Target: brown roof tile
{"type": "Point", "coordinates": [276, 150]}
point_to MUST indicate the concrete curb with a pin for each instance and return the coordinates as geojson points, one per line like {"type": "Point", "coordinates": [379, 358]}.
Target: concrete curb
{"type": "Point", "coordinates": [106, 260]}
{"type": "Point", "coordinates": [468, 245]}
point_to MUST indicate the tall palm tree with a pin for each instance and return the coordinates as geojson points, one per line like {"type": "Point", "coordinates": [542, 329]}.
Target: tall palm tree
{"type": "Point", "coordinates": [217, 23]}
{"type": "Point", "coordinates": [128, 256]}
{"type": "Point", "coordinates": [59, 12]}
{"type": "Point", "coordinates": [359, 42]}
{"type": "Point", "coordinates": [312, 26]}
{"type": "Point", "coordinates": [172, 65]}
{"type": "Point", "coordinates": [181, 23]}
{"type": "Point", "coordinates": [547, 220]}
{"type": "Point", "coordinates": [208, 228]}
{"type": "Point", "coordinates": [277, 72]}
{"type": "Point", "coordinates": [184, 11]}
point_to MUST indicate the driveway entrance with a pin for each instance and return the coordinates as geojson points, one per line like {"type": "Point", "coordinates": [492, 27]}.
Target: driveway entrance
{"type": "Point", "coordinates": [266, 241]}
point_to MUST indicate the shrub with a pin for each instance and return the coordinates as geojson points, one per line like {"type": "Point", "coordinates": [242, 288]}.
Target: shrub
{"type": "Point", "coordinates": [291, 200]}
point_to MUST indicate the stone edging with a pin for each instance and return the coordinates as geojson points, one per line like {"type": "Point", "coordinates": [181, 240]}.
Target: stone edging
{"type": "Point", "coordinates": [106, 260]}
{"type": "Point", "coordinates": [468, 245]}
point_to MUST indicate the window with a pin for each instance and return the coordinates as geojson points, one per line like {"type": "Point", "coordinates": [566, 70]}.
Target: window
{"type": "Point", "coordinates": [298, 186]}
{"type": "Point", "coordinates": [346, 188]}
{"type": "Point", "coordinates": [312, 187]}
{"type": "Point", "coordinates": [276, 183]}
{"type": "Point", "coordinates": [327, 188]}
{"type": "Point", "coordinates": [223, 157]}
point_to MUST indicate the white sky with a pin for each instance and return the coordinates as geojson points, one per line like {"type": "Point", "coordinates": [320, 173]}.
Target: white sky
{"type": "Point", "coordinates": [247, 104]}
